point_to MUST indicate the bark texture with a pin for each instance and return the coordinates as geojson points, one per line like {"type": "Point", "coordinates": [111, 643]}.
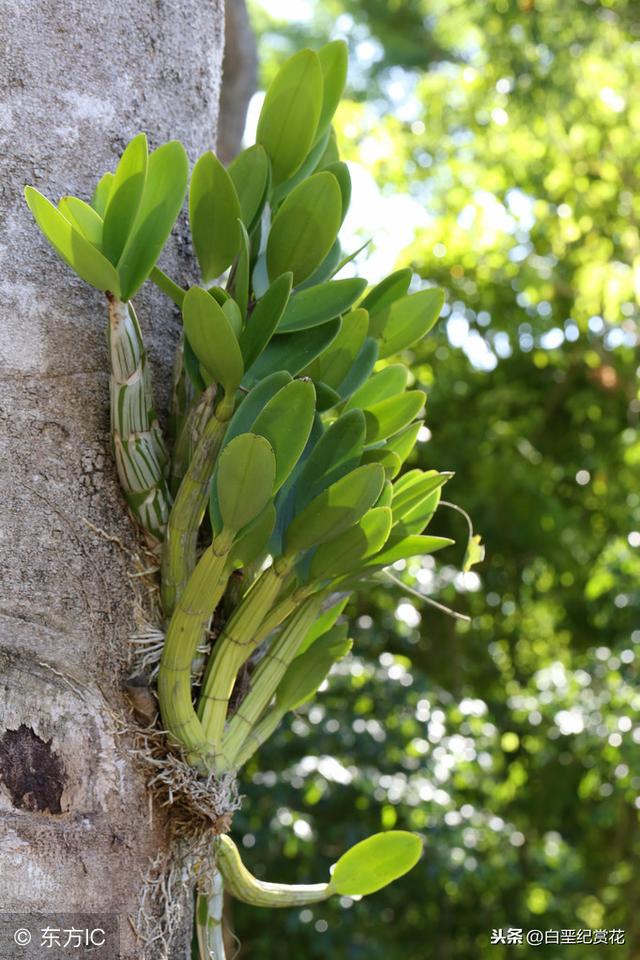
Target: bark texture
{"type": "Point", "coordinates": [78, 79]}
{"type": "Point", "coordinates": [239, 78]}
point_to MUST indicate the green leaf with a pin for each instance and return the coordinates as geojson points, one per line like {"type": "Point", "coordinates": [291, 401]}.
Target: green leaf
{"type": "Point", "coordinates": [384, 500]}
{"type": "Point", "coordinates": [315, 305]}
{"type": "Point", "coordinates": [249, 172]}
{"type": "Point", "coordinates": [411, 546]}
{"type": "Point", "coordinates": [324, 623]}
{"type": "Point", "coordinates": [342, 554]}
{"type": "Point", "coordinates": [214, 211]}
{"type": "Point", "coordinates": [294, 351]}
{"type": "Point", "coordinates": [192, 366]}
{"type": "Point", "coordinates": [388, 416]}
{"type": "Point", "coordinates": [286, 423]}
{"type": "Point", "coordinates": [245, 480]}
{"type": "Point", "coordinates": [212, 338]}
{"type": "Point", "coordinates": [387, 383]}
{"type": "Point", "coordinates": [474, 553]}
{"type": "Point", "coordinates": [387, 458]}
{"type": "Point", "coordinates": [101, 193]}
{"type": "Point", "coordinates": [88, 263]}
{"type": "Point", "coordinates": [254, 402]}
{"type": "Point", "coordinates": [305, 170]}
{"type": "Point", "coordinates": [265, 318]}
{"type": "Point", "coordinates": [331, 153]}
{"type": "Point", "coordinates": [336, 453]}
{"type": "Point", "coordinates": [334, 60]}
{"type": "Point", "coordinates": [376, 862]}
{"type": "Point", "coordinates": [305, 227]}
{"type": "Point", "coordinates": [413, 488]}
{"type": "Point", "coordinates": [326, 270]}
{"type": "Point", "coordinates": [84, 218]}
{"type": "Point", "coordinates": [417, 519]}
{"type": "Point", "coordinates": [162, 198]}
{"type": "Point", "coordinates": [361, 369]}
{"type": "Point", "coordinates": [409, 319]}
{"type": "Point", "coordinates": [341, 172]}
{"type": "Point", "coordinates": [309, 670]}
{"type": "Point", "coordinates": [383, 295]}
{"type": "Point", "coordinates": [125, 196]}
{"type": "Point", "coordinates": [290, 113]}
{"type": "Point", "coordinates": [254, 539]}
{"type": "Point", "coordinates": [326, 397]}
{"type": "Point", "coordinates": [335, 509]}
{"type": "Point", "coordinates": [336, 362]}
{"type": "Point", "coordinates": [242, 271]}
{"type": "Point", "coordinates": [404, 441]}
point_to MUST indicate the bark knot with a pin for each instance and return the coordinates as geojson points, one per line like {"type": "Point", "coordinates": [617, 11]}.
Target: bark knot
{"type": "Point", "coordinates": [31, 771]}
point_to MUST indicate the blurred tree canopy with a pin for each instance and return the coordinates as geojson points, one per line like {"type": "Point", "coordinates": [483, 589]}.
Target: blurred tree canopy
{"type": "Point", "coordinates": [510, 743]}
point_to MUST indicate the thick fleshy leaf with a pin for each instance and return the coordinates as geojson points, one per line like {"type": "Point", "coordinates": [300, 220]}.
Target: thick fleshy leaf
{"type": "Point", "coordinates": [249, 172]}
{"type": "Point", "coordinates": [383, 295]}
{"type": "Point", "coordinates": [293, 351]}
{"type": "Point", "coordinates": [361, 369]}
{"type": "Point", "coordinates": [404, 441]}
{"type": "Point", "coordinates": [192, 366]}
{"type": "Point", "coordinates": [342, 554]}
{"type": "Point", "coordinates": [389, 382]}
{"type": "Point", "coordinates": [231, 311]}
{"type": "Point", "coordinates": [386, 495]}
{"type": "Point", "coordinates": [336, 453]}
{"type": "Point", "coordinates": [413, 488]}
{"type": "Point", "coordinates": [315, 305]}
{"type": "Point", "coordinates": [264, 319]}
{"type": "Point", "coordinates": [388, 416]}
{"type": "Point", "coordinates": [326, 270]}
{"type": "Point", "coordinates": [162, 198]}
{"type": "Point", "coordinates": [254, 403]}
{"type": "Point", "coordinates": [214, 211]}
{"type": "Point", "coordinates": [376, 862]}
{"type": "Point", "coordinates": [83, 257]}
{"type": "Point", "coordinates": [125, 196]}
{"type": "Point", "coordinates": [417, 519]}
{"type": "Point", "coordinates": [387, 458]}
{"type": "Point", "coordinates": [101, 193]}
{"type": "Point", "coordinates": [290, 113]}
{"type": "Point", "coordinates": [241, 272]}
{"type": "Point", "coordinates": [305, 227]}
{"type": "Point", "coordinates": [324, 622]}
{"type": "Point", "coordinates": [212, 338]}
{"type": "Point", "coordinates": [411, 546]}
{"type": "Point", "coordinates": [84, 218]}
{"type": "Point", "coordinates": [286, 423]}
{"type": "Point", "coordinates": [254, 539]}
{"type": "Point", "coordinates": [341, 172]}
{"type": "Point", "coordinates": [336, 509]}
{"type": "Point", "coordinates": [326, 397]}
{"type": "Point", "coordinates": [245, 480]}
{"type": "Point", "coordinates": [334, 60]}
{"type": "Point", "coordinates": [410, 319]}
{"type": "Point", "coordinates": [331, 153]}
{"type": "Point", "coordinates": [335, 363]}
{"type": "Point", "coordinates": [309, 669]}
{"type": "Point", "coordinates": [305, 170]}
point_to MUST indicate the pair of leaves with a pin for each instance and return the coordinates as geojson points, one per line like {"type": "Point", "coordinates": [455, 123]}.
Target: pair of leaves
{"type": "Point", "coordinates": [117, 248]}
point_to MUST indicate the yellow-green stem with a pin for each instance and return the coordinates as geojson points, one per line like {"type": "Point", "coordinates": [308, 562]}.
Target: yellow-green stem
{"type": "Point", "coordinates": [244, 886]}
{"type": "Point", "coordinates": [179, 550]}
{"type": "Point", "coordinates": [186, 630]}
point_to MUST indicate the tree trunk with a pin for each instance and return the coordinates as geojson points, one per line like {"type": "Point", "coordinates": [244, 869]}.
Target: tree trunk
{"type": "Point", "coordinates": [239, 78]}
{"type": "Point", "coordinates": [78, 78]}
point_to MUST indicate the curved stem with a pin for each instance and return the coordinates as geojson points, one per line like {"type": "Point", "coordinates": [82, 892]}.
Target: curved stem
{"type": "Point", "coordinates": [245, 887]}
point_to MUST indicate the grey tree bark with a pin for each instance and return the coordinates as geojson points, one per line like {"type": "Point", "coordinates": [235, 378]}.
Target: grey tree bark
{"type": "Point", "coordinates": [78, 79]}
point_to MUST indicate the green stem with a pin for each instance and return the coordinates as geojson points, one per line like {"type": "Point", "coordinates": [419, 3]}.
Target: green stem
{"type": "Point", "coordinates": [244, 886]}
{"type": "Point", "coordinates": [209, 913]}
{"type": "Point", "coordinates": [182, 393]}
{"type": "Point", "coordinates": [264, 729]}
{"type": "Point", "coordinates": [186, 629]}
{"type": "Point", "coordinates": [234, 646]}
{"type": "Point", "coordinates": [139, 450]}
{"type": "Point", "coordinates": [179, 550]}
{"type": "Point", "coordinates": [168, 286]}
{"type": "Point", "coordinates": [267, 677]}
{"type": "Point", "coordinates": [193, 427]}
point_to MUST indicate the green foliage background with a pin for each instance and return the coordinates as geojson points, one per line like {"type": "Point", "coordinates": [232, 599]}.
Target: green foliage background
{"type": "Point", "coordinates": [512, 743]}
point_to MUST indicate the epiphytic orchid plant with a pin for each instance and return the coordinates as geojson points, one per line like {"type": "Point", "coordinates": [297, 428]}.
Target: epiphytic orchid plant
{"type": "Point", "coordinates": [290, 431]}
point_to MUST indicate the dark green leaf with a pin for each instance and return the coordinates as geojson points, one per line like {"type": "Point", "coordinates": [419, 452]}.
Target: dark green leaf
{"type": "Point", "coordinates": [315, 305]}
{"type": "Point", "coordinates": [309, 670]}
{"type": "Point", "coordinates": [339, 556]}
{"type": "Point", "coordinates": [264, 319]}
{"type": "Point", "coordinates": [336, 453]}
{"type": "Point", "coordinates": [245, 480]}
{"type": "Point", "coordinates": [286, 423]}
{"type": "Point", "coordinates": [212, 338]}
{"type": "Point", "coordinates": [341, 172]}
{"type": "Point", "coordinates": [362, 367]}
{"type": "Point", "coordinates": [383, 295]}
{"type": "Point", "coordinates": [249, 172]}
{"type": "Point", "coordinates": [336, 362]}
{"type": "Point", "coordinates": [293, 351]}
